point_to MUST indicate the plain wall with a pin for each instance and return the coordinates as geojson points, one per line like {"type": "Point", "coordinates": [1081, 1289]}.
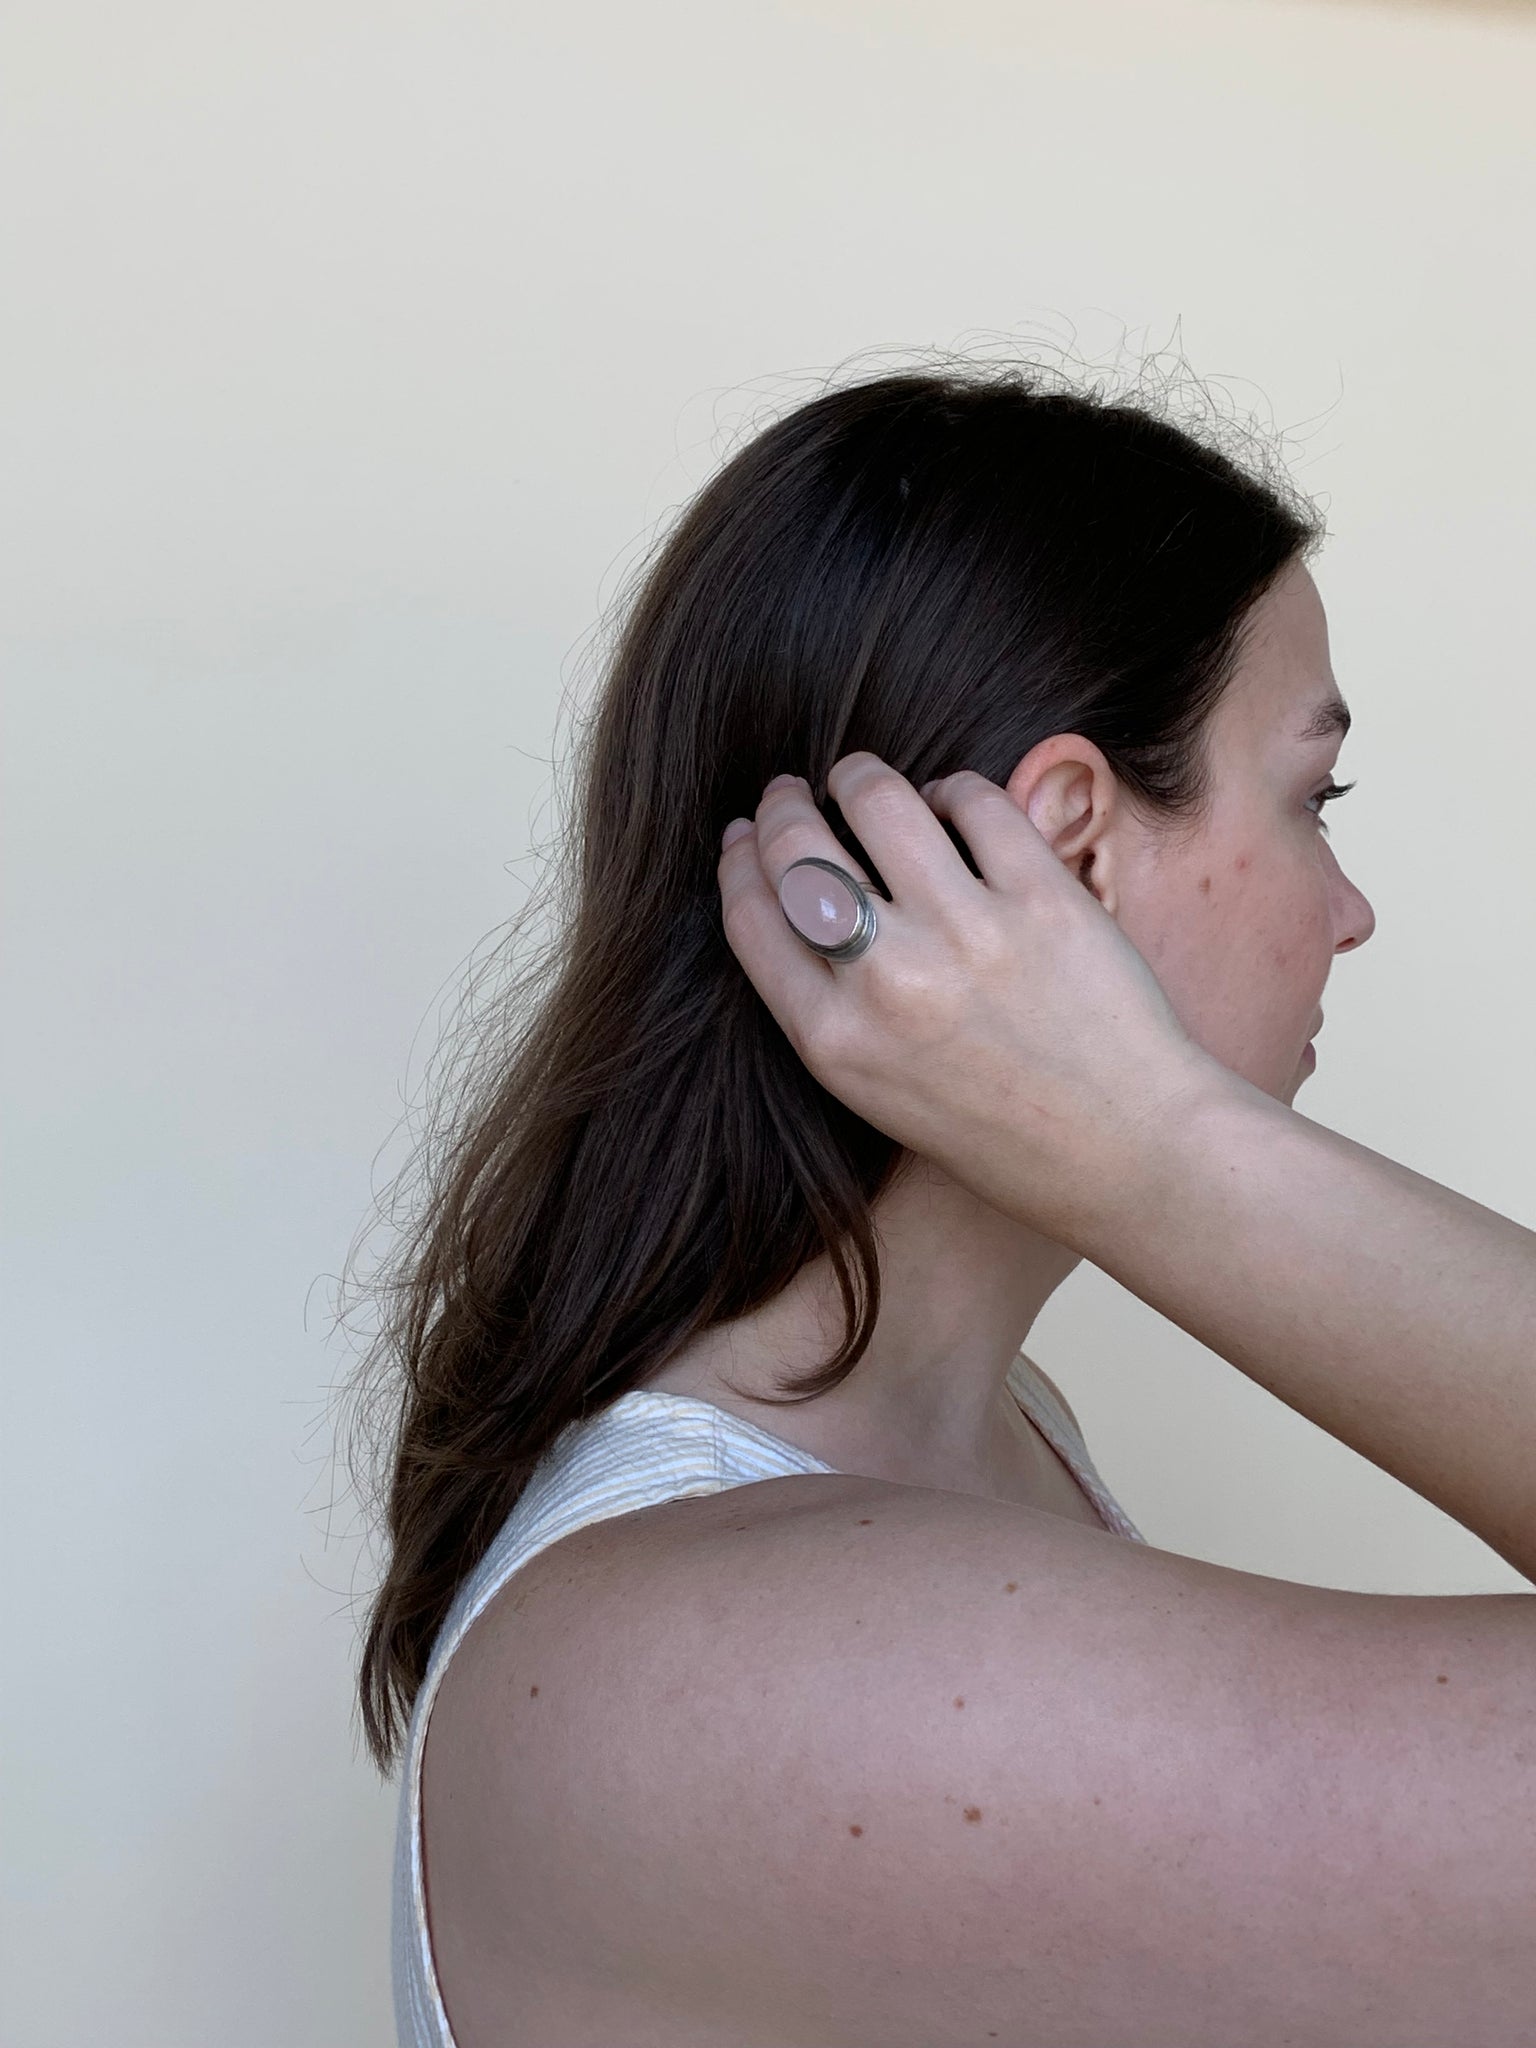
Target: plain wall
{"type": "Point", "coordinates": [350, 355]}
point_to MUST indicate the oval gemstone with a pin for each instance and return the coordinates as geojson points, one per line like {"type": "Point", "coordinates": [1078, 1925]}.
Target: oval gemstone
{"type": "Point", "coordinates": [819, 906]}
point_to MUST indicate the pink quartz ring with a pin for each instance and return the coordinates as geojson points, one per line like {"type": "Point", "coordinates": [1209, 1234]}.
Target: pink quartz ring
{"type": "Point", "coordinates": [826, 908]}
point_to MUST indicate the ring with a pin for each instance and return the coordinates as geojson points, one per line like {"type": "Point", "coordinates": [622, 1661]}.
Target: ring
{"type": "Point", "coordinates": [848, 928]}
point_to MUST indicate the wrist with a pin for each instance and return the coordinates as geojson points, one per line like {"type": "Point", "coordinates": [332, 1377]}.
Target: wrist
{"type": "Point", "coordinates": [1151, 1161]}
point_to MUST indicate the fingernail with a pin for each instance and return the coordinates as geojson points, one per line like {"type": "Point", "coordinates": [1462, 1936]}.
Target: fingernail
{"type": "Point", "coordinates": [929, 785]}
{"type": "Point", "coordinates": [733, 832]}
{"type": "Point", "coordinates": [780, 782]}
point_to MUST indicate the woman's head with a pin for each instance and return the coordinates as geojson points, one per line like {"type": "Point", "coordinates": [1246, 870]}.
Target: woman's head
{"type": "Point", "coordinates": [1240, 915]}
{"type": "Point", "coordinates": [951, 569]}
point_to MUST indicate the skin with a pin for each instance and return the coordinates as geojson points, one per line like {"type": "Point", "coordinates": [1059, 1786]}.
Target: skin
{"type": "Point", "coordinates": [1240, 918]}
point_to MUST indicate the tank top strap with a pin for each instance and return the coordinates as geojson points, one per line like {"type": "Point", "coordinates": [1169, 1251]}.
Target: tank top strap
{"type": "Point", "coordinates": [1042, 1407]}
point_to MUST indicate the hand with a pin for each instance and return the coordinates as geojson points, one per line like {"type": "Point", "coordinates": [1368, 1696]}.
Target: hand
{"type": "Point", "coordinates": [1004, 1027]}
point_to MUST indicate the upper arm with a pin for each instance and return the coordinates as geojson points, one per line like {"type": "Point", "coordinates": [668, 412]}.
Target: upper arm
{"type": "Point", "coordinates": [915, 1769]}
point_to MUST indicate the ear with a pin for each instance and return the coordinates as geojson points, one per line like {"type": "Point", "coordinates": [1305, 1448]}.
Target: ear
{"type": "Point", "coordinates": [1068, 791]}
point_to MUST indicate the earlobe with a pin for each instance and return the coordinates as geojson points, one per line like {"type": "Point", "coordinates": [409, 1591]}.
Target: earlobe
{"type": "Point", "coordinates": [1097, 879]}
{"type": "Point", "coordinates": [1095, 884]}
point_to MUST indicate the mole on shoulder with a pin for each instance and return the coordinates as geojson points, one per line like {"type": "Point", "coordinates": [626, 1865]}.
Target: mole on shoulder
{"type": "Point", "coordinates": [1012, 1586]}
{"type": "Point", "coordinates": [865, 1521]}
{"type": "Point", "coordinates": [1442, 1679]}
{"type": "Point", "coordinates": [959, 1703]}
{"type": "Point", "coordinates": [973, 1813]}
{"type": "Point", "coordinates": [855, 1830]}
{"type": "Point", "coordinates": [533, 1692]}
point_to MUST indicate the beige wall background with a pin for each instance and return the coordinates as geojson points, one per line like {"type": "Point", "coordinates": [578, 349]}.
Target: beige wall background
{"type": "Point", "coordinates": [350, 355]}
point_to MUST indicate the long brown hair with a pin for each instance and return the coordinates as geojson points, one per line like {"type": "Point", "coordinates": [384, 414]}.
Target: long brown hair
{"type": "Point", "coordinates": [945, 566]}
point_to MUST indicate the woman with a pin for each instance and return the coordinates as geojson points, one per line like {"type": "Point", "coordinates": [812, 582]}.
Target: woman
{"type": "Point", "coordinates": [763, 1696]}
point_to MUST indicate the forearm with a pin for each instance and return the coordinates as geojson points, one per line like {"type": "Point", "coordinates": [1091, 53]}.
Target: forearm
{"type": "Point", "coordinates": [1396, 1314]}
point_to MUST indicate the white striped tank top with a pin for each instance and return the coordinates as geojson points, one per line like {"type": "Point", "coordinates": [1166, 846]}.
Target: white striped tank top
{"type": "Point", "coordinates": [644, 1448]}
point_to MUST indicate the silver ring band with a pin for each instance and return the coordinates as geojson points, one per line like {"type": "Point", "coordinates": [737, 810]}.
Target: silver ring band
{"type": "Point", "coordinates": [863, 935]}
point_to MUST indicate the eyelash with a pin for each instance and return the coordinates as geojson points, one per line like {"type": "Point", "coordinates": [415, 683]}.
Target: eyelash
{"type": "Point", "coordinates": [1329, 795]}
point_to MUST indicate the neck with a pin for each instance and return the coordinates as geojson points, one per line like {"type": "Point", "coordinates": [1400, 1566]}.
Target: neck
{"type": "Point", "coordinates": [928, 1403]}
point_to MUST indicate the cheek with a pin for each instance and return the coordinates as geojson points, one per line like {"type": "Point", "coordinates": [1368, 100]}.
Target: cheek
{"type": "Point", "coordinates": [1276, 925]}
{"type": "Point", "coordinates": [1231, 906]}
{"type": "Point", "coordinates": [1237, 933]}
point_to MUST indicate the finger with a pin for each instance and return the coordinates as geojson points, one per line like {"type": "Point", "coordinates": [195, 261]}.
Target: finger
{"type": "Point", "coordinates": [790, 827]}
{"type": "Point", "coordinates": [899, 831]}
{"type": "Point", "coordinates": [1007, 845]}
{"type": "Point", "coordinates": [793, 982]}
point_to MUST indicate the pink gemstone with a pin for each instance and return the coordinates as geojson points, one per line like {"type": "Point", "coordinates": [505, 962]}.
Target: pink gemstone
{"type": "Point", "coordinates": [819, 905]}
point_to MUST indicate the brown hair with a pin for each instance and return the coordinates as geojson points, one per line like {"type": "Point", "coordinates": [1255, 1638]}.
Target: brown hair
{"type": "Point", "coordinates": [944, 566]}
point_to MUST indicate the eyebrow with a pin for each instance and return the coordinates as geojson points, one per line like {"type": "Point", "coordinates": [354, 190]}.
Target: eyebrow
{"type": "Point", "coordinates": [1330, 717]}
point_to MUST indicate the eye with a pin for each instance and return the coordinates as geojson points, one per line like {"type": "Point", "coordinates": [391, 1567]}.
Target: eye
{"type": "Point", "coordinates": [1329, 795]}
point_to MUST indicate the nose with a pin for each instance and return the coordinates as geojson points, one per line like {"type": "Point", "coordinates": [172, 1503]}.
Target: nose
{"type": "Point", "coordinates": [1362, 924]}
{"type": "Point", "coordinates": [1354, 919]}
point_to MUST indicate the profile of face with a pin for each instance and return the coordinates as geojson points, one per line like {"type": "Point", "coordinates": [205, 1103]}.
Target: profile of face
{"type": "Point", "coordinates": [1240, 920]}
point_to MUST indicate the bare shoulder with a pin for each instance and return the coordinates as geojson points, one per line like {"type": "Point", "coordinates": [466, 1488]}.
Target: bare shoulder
{"type": "Point", "coordinates": [915, 1769]}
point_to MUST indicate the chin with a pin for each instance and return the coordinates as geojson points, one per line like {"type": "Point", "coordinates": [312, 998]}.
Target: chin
{"type": "Point", "coordinates": [1274, 1080]}
{"type": "Point", "coordinates": [1286, 1090]}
